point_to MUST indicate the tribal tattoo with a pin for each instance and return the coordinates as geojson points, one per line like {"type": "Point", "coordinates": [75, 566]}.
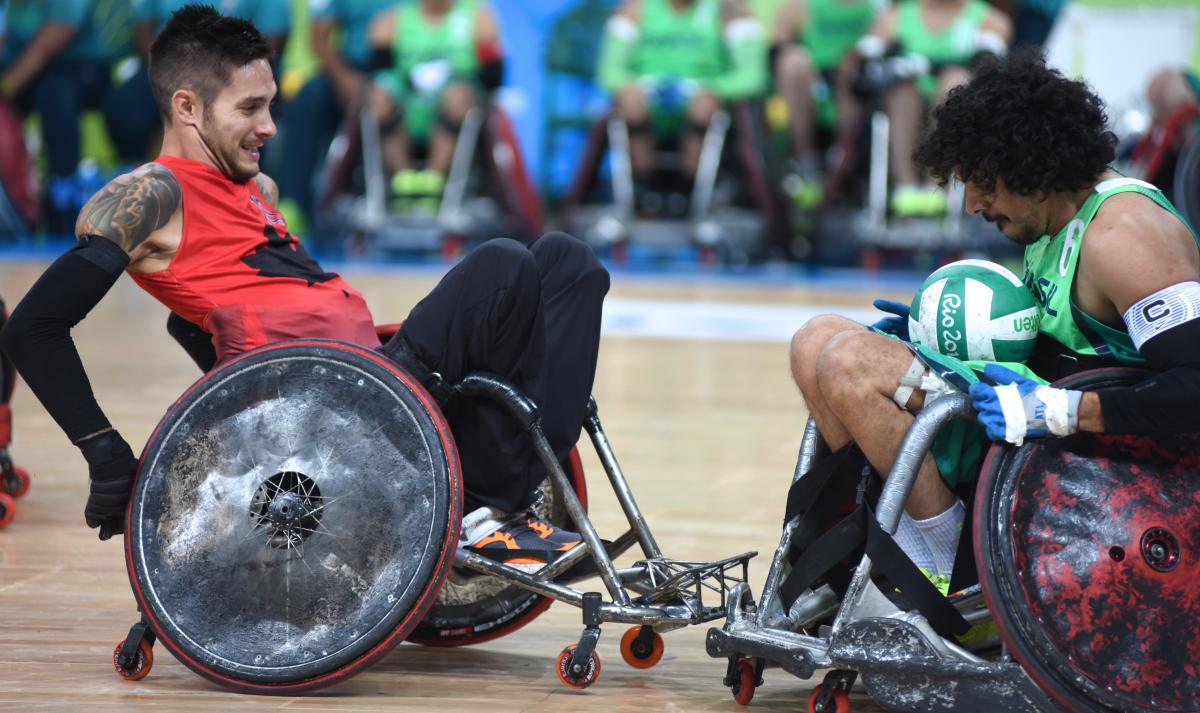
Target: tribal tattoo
{"type": "Point", "coordinates": [132, 206]}
{"type": "Point", "coordinates": [268, 188]}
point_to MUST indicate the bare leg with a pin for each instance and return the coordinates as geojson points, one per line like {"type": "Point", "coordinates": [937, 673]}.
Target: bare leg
{"type": "Point", "coordinates": [858, 372]}
{"type": "Point", "coordinates": [849, 108]}
{"type": "Point", "coordinates": [796, 76]}
{"type": "Point", "coordinates": [807, 344]}
{"type": "Point", "coordinates": [457, 100]}
{"type": "Point", "coordinates": [699, 113]}
{"type": "Point", "coordinates": [632, 107]}
{"type": "Point", "coordinates": [949, 78]}
{"type": "Point", "coordinates": [903, 106]}
{"type": "Point", "coordinates": [395, 141]}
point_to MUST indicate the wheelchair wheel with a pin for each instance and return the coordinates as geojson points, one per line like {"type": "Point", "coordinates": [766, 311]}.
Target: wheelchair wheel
{"type": "Point", "coordinates": [294, 515]}
{"type": "Point", "coordinates": [1088, 555]}
{"type": "Point", "coordinates": [473, 608]}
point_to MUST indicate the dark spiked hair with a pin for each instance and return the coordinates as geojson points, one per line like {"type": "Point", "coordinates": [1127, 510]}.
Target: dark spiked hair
{"type": "Point", "coordinates": [1020, 121]}
{"type": "Point", "coordinates": [198, 49]}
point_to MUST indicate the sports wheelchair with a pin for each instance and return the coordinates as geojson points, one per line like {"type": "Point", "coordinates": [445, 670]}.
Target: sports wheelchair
{"type": "Point", "coordinates": [732, 211]}
{"type": "Point", "coordinates": [488, 191]}
{"type": "Point", "coordinates": [1085, 554]}
{"type": "Point", "coordinates": [296, 515]}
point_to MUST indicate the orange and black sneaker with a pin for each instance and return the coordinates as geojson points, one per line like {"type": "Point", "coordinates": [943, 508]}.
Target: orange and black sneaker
{"type": "Point", "coordinates": [524, 541]}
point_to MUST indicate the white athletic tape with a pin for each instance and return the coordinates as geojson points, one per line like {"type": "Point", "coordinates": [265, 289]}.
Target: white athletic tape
{"type": "Point", "coordinates": [870, 47]}
{"type": "Point", "coordinates": [743, 29]}
{"type": "Point", "coordinates": [1057, 412]}
{"type": "Point", "coordinates": [1014, 413]}
{"type": "Point", "coordinates": [1163, 310]}
{"type": "Point", "coordinates": [908, 383]}
{"type": "Point", "coordinates": [988, 41]}
{"type": "Point", "coordinates": [622, 28]}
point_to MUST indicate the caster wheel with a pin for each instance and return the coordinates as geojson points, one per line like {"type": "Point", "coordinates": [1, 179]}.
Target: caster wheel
{"type": "Point", "coordinates": [8, 510]}
{"type": "Point", "coordinates": [744, 682]}
{"type": "Point", "coordinates": [581, 680]}
{"type": "Point", "coordinates": [16, 482]}
{"type": "Point", "coordinates": [641, 651]}
{"type": "Point", "coordinates": [824, 699]}
{"type": "Point", "coordinates": [142, 663]}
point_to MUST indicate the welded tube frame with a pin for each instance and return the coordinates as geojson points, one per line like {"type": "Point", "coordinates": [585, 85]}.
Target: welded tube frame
{"type": "Point", "coordinates": [460, 166]}
{"type": "Point", "coordinates": [709, 164]}
{"type": "Point", "coordinates": [621, 167]}
{"type": "Point", "coordinates": [620, 484]}
{"type": "Point", "coordinates": [898, 485]}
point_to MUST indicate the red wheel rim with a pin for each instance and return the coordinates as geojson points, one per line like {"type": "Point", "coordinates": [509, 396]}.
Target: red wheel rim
{"type": "Point", "coordinates": [746, 682]}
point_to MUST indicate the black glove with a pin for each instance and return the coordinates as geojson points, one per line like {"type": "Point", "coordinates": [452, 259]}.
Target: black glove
{"type": "Point", "coordinates": [111, 467]}
{"type": "Point", "coordinates": [896, 326]}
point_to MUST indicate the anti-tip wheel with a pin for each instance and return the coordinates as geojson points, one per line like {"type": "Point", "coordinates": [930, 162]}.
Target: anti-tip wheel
{"type": "Point", "coordinates": [139, 668]}
{"type": "Point", "coordinates": [16, 482]}
{"type": "Point", "coordinates": [581, 680]}
{"type": "Point", "coordinates": [744, 682]}
{"type": "Point", "coordinates": [8, 510]}
{"type": "Point", "coordinates": [825, 699]}
{"type": "Point", "coordinates": [641, 651]}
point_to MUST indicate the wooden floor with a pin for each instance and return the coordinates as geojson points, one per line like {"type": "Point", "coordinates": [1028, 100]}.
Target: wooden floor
{"type": "Point", "coordinates": [706, 430]}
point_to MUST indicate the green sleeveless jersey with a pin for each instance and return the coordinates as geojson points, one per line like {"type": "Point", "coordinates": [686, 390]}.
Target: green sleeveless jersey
{"type": "Point", "coordinates": [418, 41]}
{"type": "Point", "coordinates": [1050, 266]}
{"type": "Point", "coordinates": [953, 45]}
{"type": "Point", "coordinates": [833, 26]}
{"type": "Point", "coordinates": [680, 44]}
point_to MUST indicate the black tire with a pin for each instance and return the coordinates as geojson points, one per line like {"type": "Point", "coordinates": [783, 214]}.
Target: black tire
{"type": "Point", "coordinates": [294, 515]}
{"type": "Point", "coordinates": [1186, 194]}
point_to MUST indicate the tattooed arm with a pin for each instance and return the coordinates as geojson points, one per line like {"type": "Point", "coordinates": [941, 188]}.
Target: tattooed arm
{"type": "Point", "coordinates": [131, 208]}
{"type": "Point", "coordinates": [268, 189]}
{"type": "Point", "coordinates": [120, 225]}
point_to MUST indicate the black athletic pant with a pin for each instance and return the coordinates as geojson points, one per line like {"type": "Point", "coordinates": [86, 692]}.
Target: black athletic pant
{"type": "Point", "coordinates": [8, 373]}
{"type": "Point", "coordinates": [530, 315]}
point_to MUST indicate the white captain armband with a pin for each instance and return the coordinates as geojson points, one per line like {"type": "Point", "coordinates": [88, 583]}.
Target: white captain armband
{"type": "Point", "coordinates": [1164, 310]}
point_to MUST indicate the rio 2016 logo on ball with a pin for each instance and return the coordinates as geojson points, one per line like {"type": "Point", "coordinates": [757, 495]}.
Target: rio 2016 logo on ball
{"type": "Point", "coordinates": [975, 309]}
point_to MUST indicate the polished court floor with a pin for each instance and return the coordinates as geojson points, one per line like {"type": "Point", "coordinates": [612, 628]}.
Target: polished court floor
{"type": "Point", "coordinates": [705, 423]}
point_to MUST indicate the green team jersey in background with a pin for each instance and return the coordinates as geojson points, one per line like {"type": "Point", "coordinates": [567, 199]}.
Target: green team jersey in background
{"type": "Point", "coordinates": [684, 44]}
{"type": "Point", "coordinates": [833, 26]}
{"type": "Point", "coordinates": [452, 39]}
{"type": "Point", "coordinates": [955, 44]}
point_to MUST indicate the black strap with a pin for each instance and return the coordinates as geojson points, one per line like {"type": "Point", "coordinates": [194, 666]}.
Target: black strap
{"type": "Point", "coordinates": [399, 351]}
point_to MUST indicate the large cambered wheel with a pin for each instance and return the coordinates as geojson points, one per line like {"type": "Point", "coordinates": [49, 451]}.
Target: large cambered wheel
{"type": "Point", "coordinates": [294, 516]}
{"type": "Point", "coordinates": [1089, 552]}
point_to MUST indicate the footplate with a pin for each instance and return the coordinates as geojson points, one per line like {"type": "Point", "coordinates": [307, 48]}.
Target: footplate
{"type": "Point", "coordinates": [703, 587]}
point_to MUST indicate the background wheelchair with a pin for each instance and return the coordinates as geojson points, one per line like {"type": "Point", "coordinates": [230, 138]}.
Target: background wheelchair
{"type": "Point", "coordinates": [1084, 548]}
{"type": "Point", "coordinates": [731, 212]}
{"type": "Point", "coordinates": [488, 191]}
{"type": "Point", "coordinates": [296, 515]}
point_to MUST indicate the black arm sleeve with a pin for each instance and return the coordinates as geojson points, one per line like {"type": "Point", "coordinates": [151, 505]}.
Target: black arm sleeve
{"type": "Point", "coordinates": [1166, 402]}
{"type": "Point", "coordinates": [491, 74]}
{"type": "Point", "coordinates": [37, 336]}
{"type": "Point", "coordinates": [195, 341]}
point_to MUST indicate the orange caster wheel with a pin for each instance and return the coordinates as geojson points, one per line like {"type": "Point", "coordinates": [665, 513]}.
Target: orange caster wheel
{"type": "Point", "coordinates": [8, 509]}
{"type": "Point", "coordinates": [578, 680]}
{"type": "Point", "coordinates": [826, 699]}
{"type": "Point", "coordinates": [745, 680]}
{"type": "Point", "coordinates": [641, 647]}
{"type": "Point", "coordinates": [16, 482]}
{"type": "Point", "coordinates": [137, 669]}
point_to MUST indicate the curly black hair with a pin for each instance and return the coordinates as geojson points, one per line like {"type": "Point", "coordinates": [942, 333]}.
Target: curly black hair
{"type": "Point", "coordinates": [1020, 121]}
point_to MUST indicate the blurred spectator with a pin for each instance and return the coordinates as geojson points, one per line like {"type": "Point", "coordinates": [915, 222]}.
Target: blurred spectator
{"type": "Point", "coordinates": [442, 53]}
{"type": "Point", "coordinates": [1169, 91]}
{"type": "Point", "coordinates": [812, 59]}
{"type": "Point", "coordinates": [55, 60]}
{"type": "Point", "coordinates": [933, 43]}
{"type": "Point", "coordinates": [130, 112]}
{"type": "Point", "coordinates": [671, 63]}
{"type": "Point", "coordinates": [339, 41]}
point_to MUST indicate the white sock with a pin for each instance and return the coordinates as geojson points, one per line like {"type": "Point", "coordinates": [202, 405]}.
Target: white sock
{"type": "Point", "coordinates": [941, 533]}
{"type": "Point", "coordinates": [478, 524]}
{"type": "Point", "coordinates": [910, 540]}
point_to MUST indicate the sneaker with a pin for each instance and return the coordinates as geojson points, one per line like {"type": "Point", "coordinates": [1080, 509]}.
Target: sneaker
{"type": "Point", "coordinates": [908, 202]}
{"type": "Point", "coordinates": [530, 539]}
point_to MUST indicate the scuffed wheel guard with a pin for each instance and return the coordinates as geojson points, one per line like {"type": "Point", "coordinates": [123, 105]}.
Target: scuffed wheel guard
{"type": "Point", "coordinates": [1089, 555]}
{"type": "Point", "coordinates": [294, 516]}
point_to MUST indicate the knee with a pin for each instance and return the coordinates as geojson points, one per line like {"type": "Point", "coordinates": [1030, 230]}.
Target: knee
{"type": "Point", "coordinates": [806, 346]}
{"type": "Point", "coordinates": [503, 256]}
{"type": "Point", "coordinates": [457, 100]}
{"type": "Point", "coordinates": [630, 103]}
{"type": "Point", "coordinates": [702, 107]}
{"type": "Point", "coordinates": [561, 252]}
{"type": "Point", "coordinates": [843, 364]}
{"type": "Point", "coordinates": [793, 65]}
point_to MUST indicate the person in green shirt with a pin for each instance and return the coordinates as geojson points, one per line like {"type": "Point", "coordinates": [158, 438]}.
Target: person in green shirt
{"type": "Point", "coordinates": [813, 58]}
{"type": "Point", "coordinates": [1169, 91]}
{"type": "Point", "coordinates": [670, 64]}
{"type": "Point", "coordinates": [939, 39]}
{"type": "Point", "coordinates": [55, 59]}
{"type": "Point", "coordinates": [443, 55]}
{"type": "Point", "coordinates": [1113, 267]}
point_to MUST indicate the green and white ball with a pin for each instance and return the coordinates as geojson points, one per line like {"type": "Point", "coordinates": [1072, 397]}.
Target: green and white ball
{"type": "Point", "coordinates": [975, 309]}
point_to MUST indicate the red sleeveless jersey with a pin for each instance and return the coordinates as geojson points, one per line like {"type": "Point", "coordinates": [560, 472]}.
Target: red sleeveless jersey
{"type": "Point", "coordinates": [241, 276]}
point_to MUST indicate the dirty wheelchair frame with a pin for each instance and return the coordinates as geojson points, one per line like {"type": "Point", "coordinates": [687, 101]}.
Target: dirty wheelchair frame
{"type": "Point", "coordinates": [1084, 623]}
{"type": "Point", "coordinates": [221, 591]}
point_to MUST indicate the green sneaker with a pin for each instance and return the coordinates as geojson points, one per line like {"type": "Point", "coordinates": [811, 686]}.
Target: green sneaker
{"type": "Point", "coordinates": [806, 193]}
{"type": "Point", "coordinates": [405, 188]}
{"type": "Point", "coordinates": [293, 214]}
{"type": "Point", "coordinates": [908, 202]}
{"type": "Point", "coordinates": [941, 582]}
{"type": "Point", "coordinates": [429, 187]}
{"type": "Point", "coordinates": [983, 635]}
{"type": "Point", "coordinates": [935, 201]}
